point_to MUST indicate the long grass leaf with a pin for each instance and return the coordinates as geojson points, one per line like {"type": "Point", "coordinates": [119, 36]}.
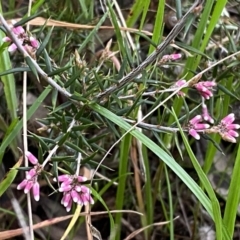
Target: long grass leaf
{"type": "Point", "coordinates": [158, 26]}
{"type": "Point", "coordinates": [123, 164]}
{"type": "Point", "coordinates": [233, 197]}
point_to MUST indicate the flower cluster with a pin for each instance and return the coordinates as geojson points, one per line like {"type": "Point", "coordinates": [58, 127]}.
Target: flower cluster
{"type": "Point", "coordinates": [225, 128]}
{"type": "Point", "coordinates": [31, 180]}
{"type": "Point", "coordinates": [74, 191]}
{"type": "Point", "coordinates": [71, 186]}
{"type": "Point", "coordinates": [29, 43]}
{"type": "Point", "coordinates": [205, 88]}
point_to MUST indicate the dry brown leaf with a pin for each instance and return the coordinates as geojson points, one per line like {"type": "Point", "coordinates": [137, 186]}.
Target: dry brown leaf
{"type": "Point", "coordinates": [40, 21]}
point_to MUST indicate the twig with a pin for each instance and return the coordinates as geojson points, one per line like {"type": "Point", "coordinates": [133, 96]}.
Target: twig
{"type": "Point", "coordinates": [152, 126]}
{"type": "Point", "coordinates": [25, 141]}
{"type": "Point", "coordinates": [150, 94]}
{"type": "Point", "coordinates": [21, 219]}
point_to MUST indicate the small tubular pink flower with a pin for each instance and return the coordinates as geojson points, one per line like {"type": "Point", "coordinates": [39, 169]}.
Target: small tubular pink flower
{"type": "Point", "coordinates": [66, 199]}
{"type": "Point", "coordinates": [28, 187]}
{"type": "Point", "coordinates": [65, 188]}
{"type": "Point", "coordinates": [206, 116]}
{"type": "Point", "coordinates": [75, 196]}
{"type": "Point", "coordinates": [34, 42]}
{"type": "Point", "coordinates": [228, 120]}
{"type": "Point", "coordinates": [36, 191]}
{"type": "Point", "coordinates": [196, 119]}
{"type": "Point", "coordinates": [178, 84]}
{"type": "Point", "coordinates": [69, 206]}
{"type": "Point", "coordinates": [74, 191]}
{"type": "Point", "coordinates": [195, 125]}
{"type": "Point", "coordinates": [6, 39]}
{"type": "Point", "coordinates": [22, 184]}
{"type": "Point", "coordinates": [81, 179]}
{"type": "Point", "coordinates": [175, 56]}
{"type": "Point", "coordinates": [18, 30]}
{"type": "Point", "coordinates": [12, 47]}
{"type": "Point", "coordinates": [63, 178]}
{"type": "Point", "coordinates": [85, 189]}
{"type": "Point", "coordinates": [226, 128]}
{"type": "Point", "coordinates": [31, 174]}
{"type": "Point", "coordinates": [86, 198]}
{"type": "Point", "coordinates": [31, 158]}
{"type": "Point", "coordinates": [194, 133]}
{"type": "Point", "coordinates": [205, 88]}
{"type": "Point", "coordinates": [171, 57]}
{"type": "Point", "coordinates": [78, 188]}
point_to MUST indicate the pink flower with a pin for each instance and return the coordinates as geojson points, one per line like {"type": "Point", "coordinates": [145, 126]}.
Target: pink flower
{"type": "Point", "coordinates": [34, 42]}
{"type": "Point", "coordinates": [12, 47]}
{"type": "Point", "coordinates": [178, 84]}
{"type": "Point", "coordinates": [171, 57]}
{"type": "Point", "coordinates": [74, 191]}
{"type": "Point", "coordinates": [175, 56]}
{"type": "Point", "coordinates": [195, 125]}
{"type": "Point", "coordinates": [31, 157]}
{"type": "Point", "coordinates": [205, 88]}
{"type": "Point", "coordinates": [31, 180]}
{"type": "Point", "coordinates": [29, 43]}
{"type": "Point", "coordinates": [206, 116]}
{"type": "Point", "coordinates": [36, 191]}
{"type": "Point", "coordinates": [18, 30]}
{"type": "Point", "coordinates": [226, 128]}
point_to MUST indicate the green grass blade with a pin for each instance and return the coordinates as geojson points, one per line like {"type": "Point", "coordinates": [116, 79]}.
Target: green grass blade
{"type": "Point", "coordinates": [93, 32]}
{"type": "Point", "coordinates": [135, 12]}
{"type": "Point", "coordinates": [219, 6]}
{"type": "Point", "coordinates": [158, 26]}
{"type": "Point", "coordinates": [8, 81]}
{"type": "Point", "coordinates": [123, 165]}
{"type": "Point", "coordinates": [170, 204]}
{"type": "Point", "coordinates": [233, 197]}
{"type": "Point", "coordinates": [190, 64]}
{"type": "Point", "coordinates": [9, 177]}
{"type": "Point", "coordinates": [199, 41]}
{"type": "Point", "coordinates": [148, 188]}
{"type": "Point", "coordinates": [95, 194]}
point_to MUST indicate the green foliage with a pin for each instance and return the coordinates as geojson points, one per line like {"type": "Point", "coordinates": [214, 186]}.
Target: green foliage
{"type": "Point", "coordinates": [68, 75]}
